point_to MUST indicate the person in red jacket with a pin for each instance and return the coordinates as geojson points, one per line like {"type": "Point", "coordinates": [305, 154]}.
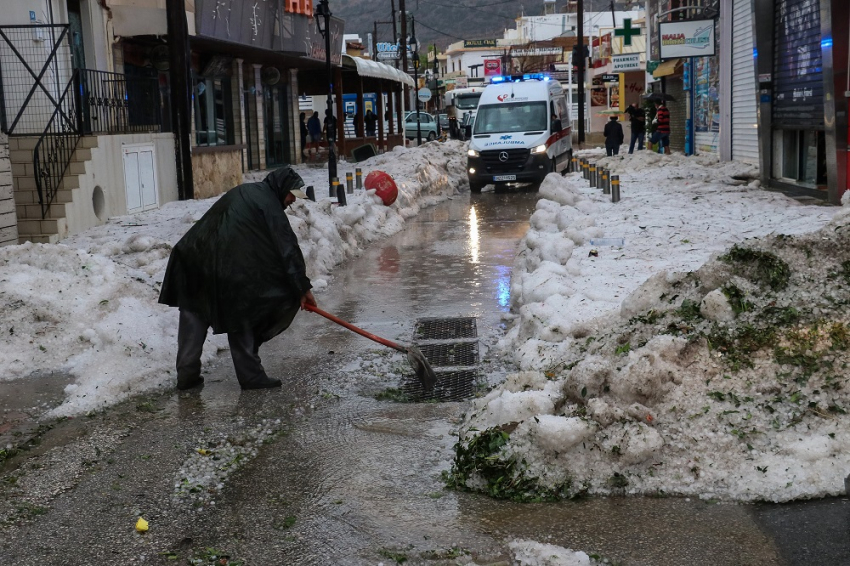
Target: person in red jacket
{"type": "Point", "coordinates": [662, 130]}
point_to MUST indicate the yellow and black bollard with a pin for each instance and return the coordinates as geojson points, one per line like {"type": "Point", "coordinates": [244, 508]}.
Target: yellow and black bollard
{"type": "Point", "coordinates": [604, 183]}
{"type": "Point", "coordinates": [615, 188]}
{"type": "Point", "coordinates": [358, 178]}
{"type": "Point", "coordinates": [334, 184]}
{"type": "Point", "coordinates": [349, 183]}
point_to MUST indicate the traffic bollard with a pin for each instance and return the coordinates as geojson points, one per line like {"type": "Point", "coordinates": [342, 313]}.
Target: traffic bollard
{"type": "Point", "coordinates": [593, 182]}
{"type": "Point", "coordinates": [606, 178]}
{"type": "Point", "coordinates": [340, 195]}
{"type": "Point", "coordinates": [615, 188]}
{"type": "Point", "coordinates": [358, 178]}
{"type": "Point", "coordinates": [574, 161]}
{"type": "Point", "coordinates": [349, 183]}
{"type": "Point", "coordinates": [584, 170]}
{"type": "Point", "coordinates": [332, 192]}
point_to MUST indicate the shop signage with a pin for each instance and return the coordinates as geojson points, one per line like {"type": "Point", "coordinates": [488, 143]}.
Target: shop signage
{"type": "Point", "coordinates": [237, 21]}
{"type": "Point", "coordinates": [492, 67]}
{"type": "Point", "coordinates": [687, 39]}
{"type": "Point", "coordinates": [473, 43]}
{"type": "Point", "coordinates": [461, 82]}
{"type": "Point", "coordinates": [299, 37]}
{"type": "Point", "coordinates": [537, 52]}
{"type": "Point", "coordinates": [304, 7]}
{"type": "Point", "coordinates": [798, 93]}
{"type": "Point", "coordinates": [625, 63]}
{"type": "Point", "coordinates": [610, 78]}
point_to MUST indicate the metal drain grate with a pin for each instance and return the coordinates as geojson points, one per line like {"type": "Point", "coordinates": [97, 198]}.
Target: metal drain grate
{"type": "Point", "coordinates": [451, 386]}
{"type": "Point", "coordinates": [445, 328]}
{"type": "Point", "coordinates": [447, 343]}
{"type": "Point", "coordinates": [454, 354]}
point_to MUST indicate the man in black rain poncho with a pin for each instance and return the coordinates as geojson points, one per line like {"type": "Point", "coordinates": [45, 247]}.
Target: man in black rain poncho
{"type": "Point", "coordinates": [238, 270]}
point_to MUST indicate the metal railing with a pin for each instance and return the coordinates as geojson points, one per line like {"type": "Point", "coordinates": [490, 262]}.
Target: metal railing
{"type": "Point", "coordinates": [55, 148]}
{"type": "Point", "coordinates": [93, 102]}
{"type": "Point", "coordinates": [113, 103]}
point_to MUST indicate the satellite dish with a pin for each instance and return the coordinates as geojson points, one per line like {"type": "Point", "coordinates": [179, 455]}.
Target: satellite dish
{"type": "Point", "coordinates": [270, 76]}
{"type": "Point", "coordinates": [159, 57]}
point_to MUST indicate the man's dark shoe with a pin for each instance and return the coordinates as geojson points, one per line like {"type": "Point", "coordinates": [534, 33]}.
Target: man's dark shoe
{"type": "Point", "coordinates": [262, 384]}
{"type": "Point", "coordinates": [183, 385]}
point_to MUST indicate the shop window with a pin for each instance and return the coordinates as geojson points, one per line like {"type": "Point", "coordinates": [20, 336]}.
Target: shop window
{"type": "Point", "coordinates": [800, 157]}
{"type": "Point", "coordinates": [213, 112]}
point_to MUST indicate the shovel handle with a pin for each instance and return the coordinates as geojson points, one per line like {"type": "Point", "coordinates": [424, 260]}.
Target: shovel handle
{"type": "Point", "coordinates": [353, 328]}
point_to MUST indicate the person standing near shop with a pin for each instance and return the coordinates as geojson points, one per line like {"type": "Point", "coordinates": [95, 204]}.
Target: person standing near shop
{"type": "Point", "coordinates": [613, 136]}
{"type": "Point", "coordinates": [314, 131]}
{"type": "Point", "coordinates": [371, 120]}
{"type": "Point", "coordinates": [662, 130]}
{"type": "Point", "coordinates": [304, 134]}
{"type": "Point", "coordinates": [637, 120]}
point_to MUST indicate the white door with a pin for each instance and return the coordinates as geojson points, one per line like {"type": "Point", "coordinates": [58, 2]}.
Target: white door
{"type": "Point", "coordinates": [132, 184]}
{"type": "Point", "coordinates": [140, 177]}
{"type": "Point", "coordinates": [147, 179]}
{"type": "Point", "coordinates": [745, 145]}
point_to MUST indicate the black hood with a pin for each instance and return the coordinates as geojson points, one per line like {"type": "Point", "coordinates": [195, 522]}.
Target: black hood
{"type": "Point", "coordinates": [283, 180]}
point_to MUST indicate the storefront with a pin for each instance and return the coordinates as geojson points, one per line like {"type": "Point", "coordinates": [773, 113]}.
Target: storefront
{"type": "Point", "coordinates": [801, 48]}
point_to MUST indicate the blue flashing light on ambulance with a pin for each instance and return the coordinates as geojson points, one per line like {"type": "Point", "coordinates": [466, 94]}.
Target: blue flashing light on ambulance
{"type": "Point", "coordinates": [522, 132]}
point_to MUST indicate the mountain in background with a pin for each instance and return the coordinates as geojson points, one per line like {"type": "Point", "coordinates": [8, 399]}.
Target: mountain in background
{"type": "Point", "coordinates": [446, 21]}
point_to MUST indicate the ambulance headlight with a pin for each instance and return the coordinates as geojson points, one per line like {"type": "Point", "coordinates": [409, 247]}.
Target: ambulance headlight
{"type": "Point", "coordinates": [472, 153]}
{"type": "Point", "coordinates": [539, 149]}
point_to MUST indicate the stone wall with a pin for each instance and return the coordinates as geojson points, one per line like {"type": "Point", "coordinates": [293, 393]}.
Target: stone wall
{"type": "Point", "coordinates": [216, 172]}
{"type": "Point", "coordinates": [8, 221]}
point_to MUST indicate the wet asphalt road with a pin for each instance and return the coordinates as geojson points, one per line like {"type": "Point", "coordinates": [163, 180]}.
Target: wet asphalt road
{"type": "Point", "coordinates": [348, 479]}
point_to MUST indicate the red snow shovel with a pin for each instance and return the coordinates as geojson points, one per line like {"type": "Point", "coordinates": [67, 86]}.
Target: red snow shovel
{"type": "Point", "coordinates": [420, 365]}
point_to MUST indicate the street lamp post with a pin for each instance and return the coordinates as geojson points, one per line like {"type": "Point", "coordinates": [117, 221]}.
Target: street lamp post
{"type": "Point", "coordinates": [437, 91]}
{"type": "Point", "coordinates": [415, 49]}
{"type": "Point", "coordinates": [323, 22]}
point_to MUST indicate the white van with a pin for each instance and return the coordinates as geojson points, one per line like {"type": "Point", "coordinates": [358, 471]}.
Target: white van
{"type": "Point", "coordinates": [522, 132]}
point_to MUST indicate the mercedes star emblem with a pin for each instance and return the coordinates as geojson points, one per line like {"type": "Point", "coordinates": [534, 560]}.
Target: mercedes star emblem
{"type": "Point", "coordinates": [503, 156]}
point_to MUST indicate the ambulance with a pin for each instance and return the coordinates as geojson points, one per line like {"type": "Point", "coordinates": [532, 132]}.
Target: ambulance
{"type": "Point", "coordinates": [522, 132]}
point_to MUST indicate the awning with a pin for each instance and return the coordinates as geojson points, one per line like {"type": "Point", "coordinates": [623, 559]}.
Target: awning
{"type": "Point", "coordinates": [667, 68]}
{"type": "Point", "coordinates": [376, 70]}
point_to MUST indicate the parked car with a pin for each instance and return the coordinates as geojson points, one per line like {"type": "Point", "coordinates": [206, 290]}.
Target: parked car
{"type": "Point", "coordinates": [427, 125]}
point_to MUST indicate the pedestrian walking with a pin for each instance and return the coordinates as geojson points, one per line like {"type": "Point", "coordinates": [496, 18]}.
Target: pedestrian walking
{"type": "Point", "coordinates": [637, 120]}
{"type": "Point", "coordinates": [240, 271]}
{"type": "Point", "coordinates": [314, 130]}
{"type": "Point", "coordinates": [304, 134]}
{"type": "Point", "coordinates": [662, 130]}
{"type": "Point", "coordinates": [371, 120]}
{"type": "Point", "coordinates": [613, 136]}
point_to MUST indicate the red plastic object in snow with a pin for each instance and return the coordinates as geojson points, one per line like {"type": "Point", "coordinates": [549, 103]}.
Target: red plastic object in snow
{"type": "Point", "coordinates": [384, 186]}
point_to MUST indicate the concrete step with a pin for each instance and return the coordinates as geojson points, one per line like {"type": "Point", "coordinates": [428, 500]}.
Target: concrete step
{"type": "Point", "coordinates": [81, 154]}
{"type": "Point", "coordinates": [31, 197]}
{"type": "Point", "coordinates": [77, 168]}
{"type": "Point", "coordinates": [58, 226]}
{"type": "Point", "coordinates": [38, 238]}
{"type": "Point", "coordinates": [89, 142]}
{"type": "Point", "coordinates": [23, 142]}
{"type": "Point", "coordinates": [32, 211]}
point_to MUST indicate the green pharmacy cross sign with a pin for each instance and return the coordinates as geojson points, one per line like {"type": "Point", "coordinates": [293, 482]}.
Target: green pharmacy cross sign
{"type": "Point", "coordinates": [627, 31]}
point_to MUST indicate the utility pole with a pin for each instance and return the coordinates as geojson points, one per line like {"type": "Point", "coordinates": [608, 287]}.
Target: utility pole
{"type": "Point", "coordinates": [402, 45]}
{"type": "Point", "coordinates": [580, 69]}
{"type": "Point", "coordinates": [395, 29]}
{"type": "Point", "coordinates": [180, 95]}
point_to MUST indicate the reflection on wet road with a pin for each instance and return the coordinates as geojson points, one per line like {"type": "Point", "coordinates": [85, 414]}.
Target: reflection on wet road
{"type": "Point", "coordinates": [362, 477]}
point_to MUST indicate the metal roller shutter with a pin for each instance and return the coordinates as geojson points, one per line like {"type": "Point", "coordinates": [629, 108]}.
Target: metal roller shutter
{"type": "Point", "coordinates": [745, 145]}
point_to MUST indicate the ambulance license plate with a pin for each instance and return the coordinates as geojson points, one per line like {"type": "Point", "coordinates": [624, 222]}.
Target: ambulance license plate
{"type": "Point", "coordinates": [497, 178]}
